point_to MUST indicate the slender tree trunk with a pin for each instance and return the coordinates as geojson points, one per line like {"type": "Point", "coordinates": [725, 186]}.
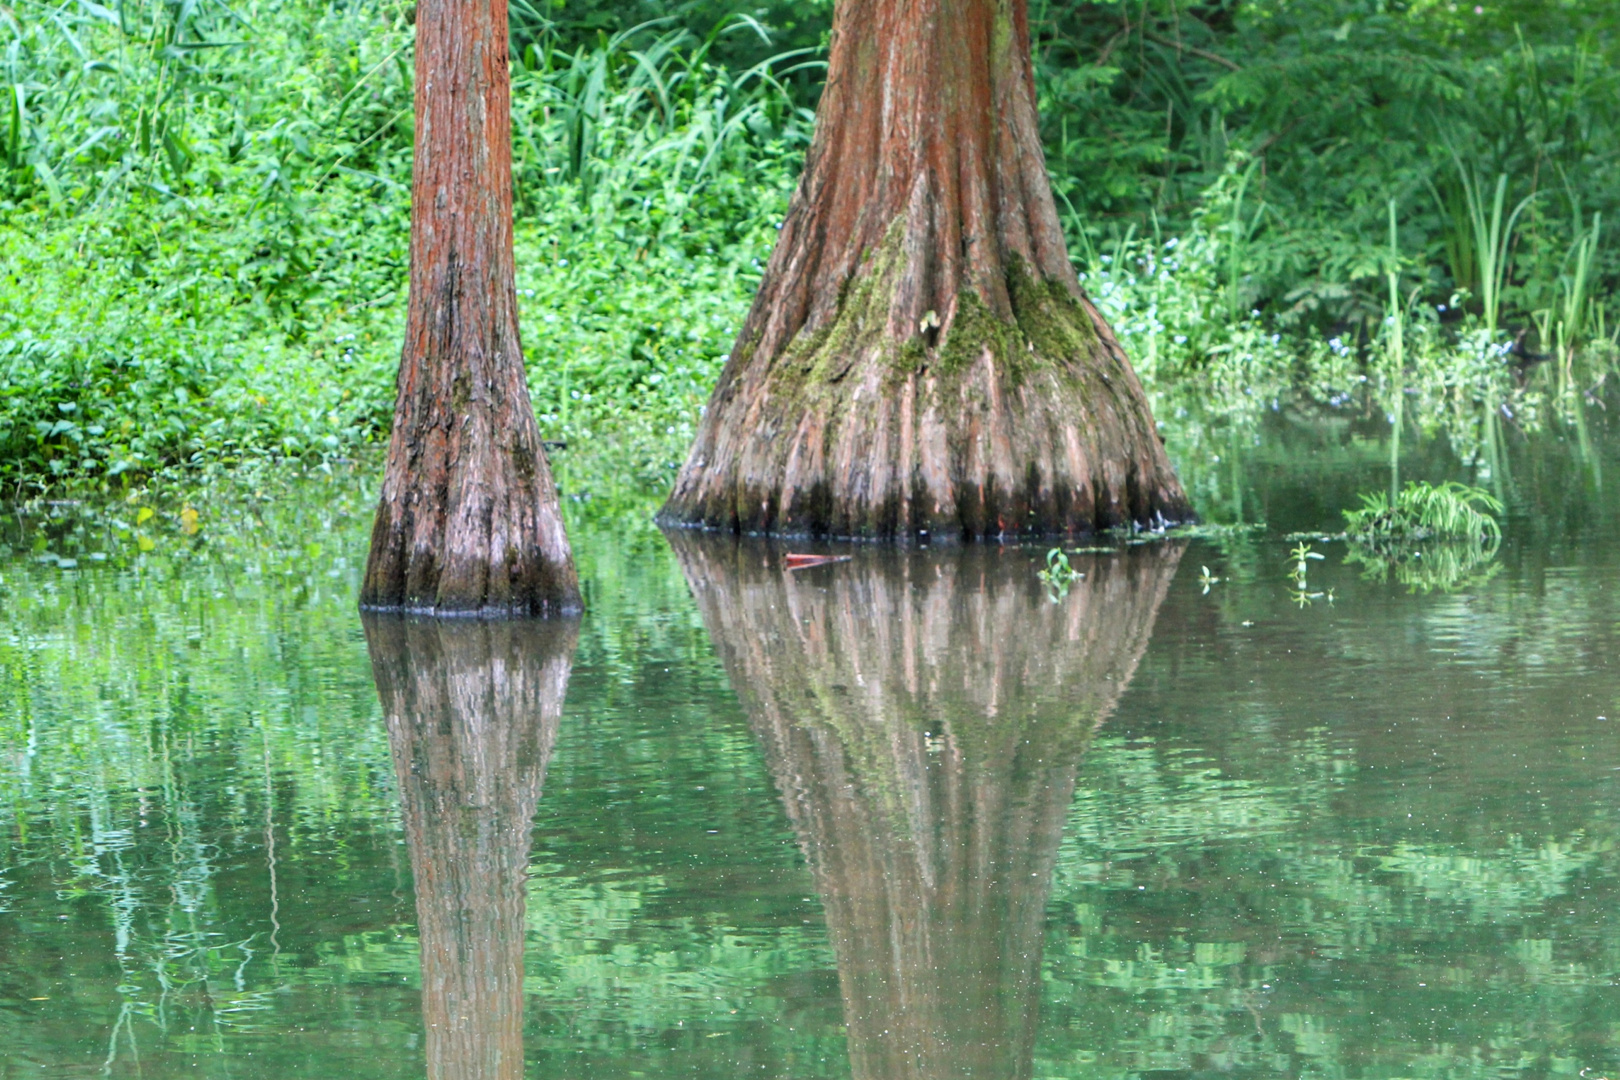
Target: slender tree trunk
{"type": "Point", "coordinates": [920, 357]}
{"type": "Point", "coordinates": [472, 712]}
{"type": "Point", "coordinates": [469, 521]}
{"type": "Point", "coordinates": [924, 720]}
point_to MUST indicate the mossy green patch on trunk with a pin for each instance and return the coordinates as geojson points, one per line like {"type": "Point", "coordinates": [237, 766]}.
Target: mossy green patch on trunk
{"type": "Point", "coordinates": [1049, 316]}
{"type": "Point", "coordinates": [744, 351]}
{"type": "Point", "coordinates": [909, 361]}
{"type": "Point", "coordinates": [826, 352]}
{"type": "Point", "coordinates": [974, 328]}
{"type": "Point", "coordinates": [1048, 325]}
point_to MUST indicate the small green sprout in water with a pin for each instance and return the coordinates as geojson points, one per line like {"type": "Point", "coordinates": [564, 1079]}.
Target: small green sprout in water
{"type": "Point", "coordinates": [1301, 552]}
{"type": "Point", "coordinates": [1422, 511]}
{"type": "Point", "coordinates": [1059, 575]}
{"type": "Point", "coordinates": [1300, 557]}
{"type": "Point", "coordinates": [1300, 560]}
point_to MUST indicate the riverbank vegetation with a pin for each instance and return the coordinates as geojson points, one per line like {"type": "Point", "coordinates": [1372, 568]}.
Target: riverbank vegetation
{"type": "Point", "coordinates": [1389, 211]}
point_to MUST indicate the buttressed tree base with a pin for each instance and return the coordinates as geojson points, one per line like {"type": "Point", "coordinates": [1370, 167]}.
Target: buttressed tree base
{"type": "Point", "coordinates": [468, 522]}
{"type": "Point", "coordinates": [920, 357]}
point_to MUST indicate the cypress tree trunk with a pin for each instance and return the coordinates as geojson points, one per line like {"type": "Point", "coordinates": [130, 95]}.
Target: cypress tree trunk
{"type": "Point", "coordinates": [472, 712]}
{"type": "Point", "coordinates": [468, 521]}
{"type": "Point", "coordinates": [924, 720]}
{"type": "Point", "coordinates": [920, 357]}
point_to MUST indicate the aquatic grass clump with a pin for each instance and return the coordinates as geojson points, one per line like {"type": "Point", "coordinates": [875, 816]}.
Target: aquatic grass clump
{"type": "Point", "coordinates": [1423, 511]}
{"type": "Point", "coordinates": [1429, 537]}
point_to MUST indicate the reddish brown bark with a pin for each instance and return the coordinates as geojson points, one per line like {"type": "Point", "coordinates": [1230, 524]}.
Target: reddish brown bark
{"type": "Point", "coordinates": [924, 720]}
{"type": "Point", "coordinates": [472, 712]}
{"type": "Point", "coordinates": [468, 520]}
{"type": "Point", "coordinates": [920, 356]}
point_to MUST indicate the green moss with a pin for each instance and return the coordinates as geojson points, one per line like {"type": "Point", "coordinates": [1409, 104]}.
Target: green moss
{"type": "Point", "coordinates": [1047, 326]}
{"type": "Point", "coordinates": [825, 354]}
{"type": "Point", "coordinates": [799, 358]}
{"type": "Point", "coordinates": [745, 350]}
{"type": "Point", "coordinates": [966, 335]}
{"type": "Point", "coordinates": [974, 328]}
{"type": "Point", "coordinates": [910, 359]}
{"type": "Point", "coordinates": [1049, 317]}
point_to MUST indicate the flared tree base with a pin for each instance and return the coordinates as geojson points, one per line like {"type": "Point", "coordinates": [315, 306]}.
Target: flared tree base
{"type": "Point", "coordinates": [1028, 426]}
{"type": "Point", "coordinates": [468, 523]}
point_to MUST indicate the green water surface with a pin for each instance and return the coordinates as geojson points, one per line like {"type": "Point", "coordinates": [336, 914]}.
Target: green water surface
{"type": "Point", "coordinates": [902, 816]}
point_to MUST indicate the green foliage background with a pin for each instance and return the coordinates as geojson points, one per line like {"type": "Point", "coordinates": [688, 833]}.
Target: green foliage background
{"type": "Point", "coordinates": [204, 211]}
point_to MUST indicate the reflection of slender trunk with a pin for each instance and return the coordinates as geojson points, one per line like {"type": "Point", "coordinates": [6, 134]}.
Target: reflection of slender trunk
{"type": "Point", "coordinates": [270, 856]}
{"type": "Point", "coordinates": [472, 712]}
{"type": "Point", "coordinates": [924, 717]}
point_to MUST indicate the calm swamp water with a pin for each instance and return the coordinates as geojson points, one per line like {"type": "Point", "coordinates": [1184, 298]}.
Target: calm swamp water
{"type": "Point", "coordinates": [906, 816]}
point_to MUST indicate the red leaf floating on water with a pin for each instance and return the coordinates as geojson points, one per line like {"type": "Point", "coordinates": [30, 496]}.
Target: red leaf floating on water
{"type": "Point", "coordinates": [799, 562]}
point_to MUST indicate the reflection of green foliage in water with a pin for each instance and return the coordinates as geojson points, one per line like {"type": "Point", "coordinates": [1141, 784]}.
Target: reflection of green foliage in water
{"type": "Point", "coordinates": [124, 704]}
{"type": "Point", "coordinates": [1148, 819]}
{"type": "Point", "coordinates": [587, 959]}
{"type": "Point", "coordinates": [1392, 853]}
{"type": "Point", "coordinates": [1435, 566]}
{"type": "Point", "coordinates": [159, 709]}
{"type": "Point", "coordinates": [592, 961]}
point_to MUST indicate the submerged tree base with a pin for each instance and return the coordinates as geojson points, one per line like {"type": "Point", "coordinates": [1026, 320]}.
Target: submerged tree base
{"type": "Point", "coordinates": [1028, 425]}
{"type": "Point", "coordinates": [920, 358]}
{"type": "Point", "coordinates": [471, 530]}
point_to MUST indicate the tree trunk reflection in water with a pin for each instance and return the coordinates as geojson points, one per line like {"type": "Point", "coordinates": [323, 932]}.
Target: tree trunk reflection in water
{"type": "Point", "coordinates": [472, 710]}
{"type": "Point", "coordinates": [924, 716]}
